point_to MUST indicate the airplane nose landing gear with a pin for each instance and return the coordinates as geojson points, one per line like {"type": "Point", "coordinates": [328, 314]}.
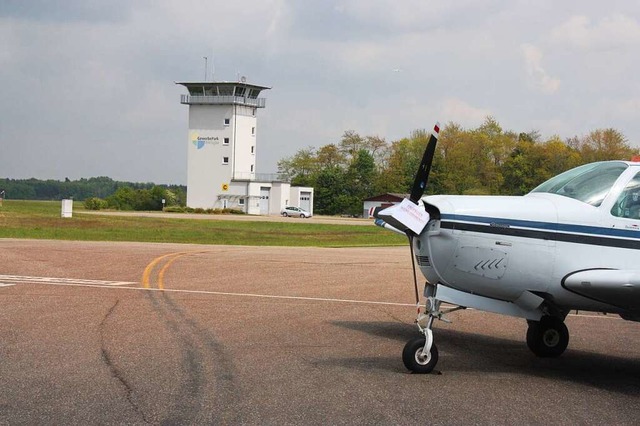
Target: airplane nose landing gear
{"type": "Point", "coordinates": [415, 359]}
{"type": "Point", "coordinates": [420, 355]}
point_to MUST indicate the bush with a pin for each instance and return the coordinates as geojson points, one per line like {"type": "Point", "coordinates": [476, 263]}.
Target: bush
{"type": "Point", "coordinates": [95, 203]}
{"type": "Point", "coordinates": [174, 209]}
{"type": "Point", "coordinates": [200, 210]}
{"type": "Point", "coordinates": [232, 211]}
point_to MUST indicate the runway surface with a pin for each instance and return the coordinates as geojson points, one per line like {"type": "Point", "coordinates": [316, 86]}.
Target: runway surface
{"type": "Point", "coordinates": [137, 333]}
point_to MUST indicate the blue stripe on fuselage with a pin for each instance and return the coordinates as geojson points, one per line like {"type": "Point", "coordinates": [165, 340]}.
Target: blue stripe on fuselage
{"type": "Point", "coordinates": [498, 222]}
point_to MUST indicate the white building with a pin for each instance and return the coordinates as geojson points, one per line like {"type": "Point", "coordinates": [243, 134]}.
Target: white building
{"type": "Point", "coordinates": [222, 152]}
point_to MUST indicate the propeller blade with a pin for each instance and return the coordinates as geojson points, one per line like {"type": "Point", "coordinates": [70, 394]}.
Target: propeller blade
{"type": "Point", "coordinates": [422, 176]}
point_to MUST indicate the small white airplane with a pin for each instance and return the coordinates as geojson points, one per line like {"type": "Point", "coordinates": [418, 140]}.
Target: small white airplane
{"type": "Point", "coordinates": [570, 244]}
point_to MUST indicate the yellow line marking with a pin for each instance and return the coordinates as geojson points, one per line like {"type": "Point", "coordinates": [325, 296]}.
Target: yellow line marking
{"type": "Point", "coordinates": [147, 271]}
{"type": "Point", "coordinates": [146, 275]}
{"type": "Point", "coordinates": [165, 267]}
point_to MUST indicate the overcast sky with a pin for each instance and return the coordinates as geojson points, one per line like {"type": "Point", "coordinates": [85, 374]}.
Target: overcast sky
{"type": "Point", "coordinates": [88, 86]}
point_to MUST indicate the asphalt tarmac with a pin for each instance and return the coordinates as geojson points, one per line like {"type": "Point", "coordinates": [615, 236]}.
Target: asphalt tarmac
{"type": "Point", "coordinates": [137, 333]}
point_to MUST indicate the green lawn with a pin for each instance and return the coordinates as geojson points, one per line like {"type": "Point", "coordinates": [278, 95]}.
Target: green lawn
{"type": "Point", "coordinates": [41, 220]}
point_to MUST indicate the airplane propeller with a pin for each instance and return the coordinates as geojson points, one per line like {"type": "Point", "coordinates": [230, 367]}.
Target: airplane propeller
{"type": "Point", "coordinates": [422, 176]}
{"type": "Point", "coordinates": [396, 218]}
{"type": "Point", "coordinates": [408, 218]}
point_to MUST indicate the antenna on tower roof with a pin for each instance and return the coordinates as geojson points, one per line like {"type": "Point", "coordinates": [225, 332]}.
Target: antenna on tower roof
{"type": "Point", "coordinates": [205, 67]}
{"type": "Point", "coordinates": [213, 66]}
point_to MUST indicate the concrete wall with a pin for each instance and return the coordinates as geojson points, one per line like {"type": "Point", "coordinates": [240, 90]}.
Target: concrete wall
{"type": "Point", "coordinates": [299, 192]}
{"type": "Point", "coordinates": [279, 197]}
{"type": "Point", "coordinates": [207, 171]}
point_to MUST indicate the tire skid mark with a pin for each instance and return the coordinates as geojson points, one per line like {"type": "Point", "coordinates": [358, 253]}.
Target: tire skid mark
{"type": "Point", "coordinates": [226, 389]}
{"type": "Point", "coordinates": [116, 373]}
{"type": "Point", "coordinates": [201, 354]}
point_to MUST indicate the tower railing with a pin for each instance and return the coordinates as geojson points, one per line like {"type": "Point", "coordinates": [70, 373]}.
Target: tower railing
{"type": "Point", "coordinates": [222, 100]}
{"type": "Point", "coordinates": [261, 177]}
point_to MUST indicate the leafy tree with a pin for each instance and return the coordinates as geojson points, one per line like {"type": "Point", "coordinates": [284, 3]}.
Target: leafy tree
{"type": "Point", "coordinates": [300, 167]}
{"type": "Point", "coordinates": [331, 191]}
{"type": "Point", "coordinates": [604, 144]}
{"type": "Point", "coordinates": [123, 199]}
{"type": "Point", "coordinates": [484, 160]}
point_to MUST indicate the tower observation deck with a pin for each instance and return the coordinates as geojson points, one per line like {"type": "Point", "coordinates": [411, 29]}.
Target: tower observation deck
{"type": "Point", "coordinates": [223, 93]}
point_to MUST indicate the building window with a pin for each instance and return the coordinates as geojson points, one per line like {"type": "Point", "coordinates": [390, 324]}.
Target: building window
{"type": "Point", "coordinates": [225, 141]}
{"type": "Point", "coordinates": [225, 160]}
{"type": "Point", "coordinates": [253, 131]}
{"type": "Point", "coordinates": [253, 149]}
{"type": "Point", "coordinates": [227, 121]}
{"type": "Point", "coordinates": [241, 202]}
{"type": "Point", "coordinates": [252, 168]}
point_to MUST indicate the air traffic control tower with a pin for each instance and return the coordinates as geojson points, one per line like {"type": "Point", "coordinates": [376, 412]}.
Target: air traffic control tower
{"type": "Point", "coordinates": [222, 149]}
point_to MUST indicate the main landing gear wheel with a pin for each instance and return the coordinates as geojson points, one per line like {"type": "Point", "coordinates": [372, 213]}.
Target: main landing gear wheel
{"type": "Point", "coordinates": [547, 338]}
{"type": "Point", "coordinates": [415, 361]}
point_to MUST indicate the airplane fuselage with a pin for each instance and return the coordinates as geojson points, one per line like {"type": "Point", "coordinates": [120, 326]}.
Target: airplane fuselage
{"type": "Point", "coordinates": [499, 247]}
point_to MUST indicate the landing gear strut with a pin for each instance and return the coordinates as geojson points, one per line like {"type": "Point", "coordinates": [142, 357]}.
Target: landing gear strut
{"type": "Point", "coordinates": [420, 355]}
{"type": "Point", "coordinates": [548, 337]}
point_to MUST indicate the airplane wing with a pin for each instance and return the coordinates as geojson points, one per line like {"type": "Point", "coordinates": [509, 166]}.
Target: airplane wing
{"type": "Point", "coordinates": [613, 286]}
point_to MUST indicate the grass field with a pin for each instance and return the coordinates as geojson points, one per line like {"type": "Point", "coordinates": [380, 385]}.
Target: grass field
{"type": "Point", "coordinates": [41, 220]}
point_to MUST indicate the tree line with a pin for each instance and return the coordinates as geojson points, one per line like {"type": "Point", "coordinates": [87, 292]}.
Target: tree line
{"type": "Point", "coordinates": [97, 192]}
{"type": "Point", "coordinates": [485, 160]}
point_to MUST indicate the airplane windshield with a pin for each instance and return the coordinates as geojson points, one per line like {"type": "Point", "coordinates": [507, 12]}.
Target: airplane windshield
{"type": "Point", "coordinates": [589, 183]}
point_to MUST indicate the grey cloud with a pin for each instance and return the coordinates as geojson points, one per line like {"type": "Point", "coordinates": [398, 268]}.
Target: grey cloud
{"type": "Point", "coordinates": [66, 10]}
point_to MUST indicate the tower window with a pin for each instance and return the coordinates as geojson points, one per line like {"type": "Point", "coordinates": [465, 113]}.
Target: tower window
{"type": "Point", "coordinates": [227, 121]}
{"type": "Point", "coordinates": [253, 131]}
{"type": "Point", "coordinates": [225, 141]}
{"type": "Point", "coordinates": [225, 160]}
{"type": "Point", "coordinates": [253, 149]}
{"type": "Point", "coordinates": [252, 168]}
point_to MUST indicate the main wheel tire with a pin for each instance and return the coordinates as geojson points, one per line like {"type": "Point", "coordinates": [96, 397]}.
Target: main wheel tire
{"type": "Point", "coordinates": [285, 214]}
{"type": "Point", "coordinates": [302, 216]}
{"type": "Point", "coordinates": [548, 338]}
{"type": "Point", "coordinates": [414, 360]}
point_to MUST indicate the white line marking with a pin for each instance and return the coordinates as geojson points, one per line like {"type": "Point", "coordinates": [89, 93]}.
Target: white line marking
{"type": "Point", "coordinates": [10, 280]}
{"type": "Point", "coordinates": [50, 280]}
{"type": "Point", "coordinates": [271, 296]}
{"type": "Point", "coordinates": [222, 293]}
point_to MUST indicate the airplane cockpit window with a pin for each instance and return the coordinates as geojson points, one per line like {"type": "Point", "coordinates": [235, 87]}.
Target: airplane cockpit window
{"type": "Point", "coordinates": [628, 204]}
{"type": "Point", "coordinates": [589, 183]}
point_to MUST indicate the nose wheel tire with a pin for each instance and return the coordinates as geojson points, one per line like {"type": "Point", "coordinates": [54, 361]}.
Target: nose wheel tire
{"type": "Point", "coordinates": [547, 338]}
{"type": "Point", "coordinates": [415, 361]}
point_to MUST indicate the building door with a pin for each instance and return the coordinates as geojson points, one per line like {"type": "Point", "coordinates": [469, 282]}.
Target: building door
{"type": "Point", "coordinates": [305, 200]}
{"type": "Point", "coordinates": [264, 199]}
